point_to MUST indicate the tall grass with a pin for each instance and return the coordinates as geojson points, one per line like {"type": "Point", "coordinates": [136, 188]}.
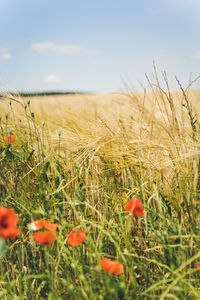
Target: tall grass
{"type": "Point", "coordinates": [78, 165]}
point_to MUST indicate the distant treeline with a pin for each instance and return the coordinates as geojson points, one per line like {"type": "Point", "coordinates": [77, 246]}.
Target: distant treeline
{"type": "Point", "coordinates": [30, 94]}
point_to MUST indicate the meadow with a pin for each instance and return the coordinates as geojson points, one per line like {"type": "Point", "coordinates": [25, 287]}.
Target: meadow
{"type": "Point", "coordinates": [70, 165]}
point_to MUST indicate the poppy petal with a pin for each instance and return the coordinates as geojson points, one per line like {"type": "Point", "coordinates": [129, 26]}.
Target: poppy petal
{"type": "Point", "coordinates": [76, 237]}
{"type": "Point", "coordinates": [39, 224]}
{"type": "Point", "coordinates": [197, 265]}
{"type": "Point", "coordinates": [8, 222]}
{"type": "Point", "coordinates": [135, 207]}
{"type": "Point", "coordinates": [111, 266]}
{"type": "Point", "coordinates": [46, 237]}
{"type": "Point", "coordinates": [11, 138]}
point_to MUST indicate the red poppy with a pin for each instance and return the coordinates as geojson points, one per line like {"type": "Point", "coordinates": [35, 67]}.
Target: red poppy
{"type": "Point", "coordinates": [135, 207]}
{"type": "Point", "coordinates": [45, 237]}
{"type": "Point", "coordinates": [111, 266]}
{"type": "Point", "coordinates": [76, 237]}
{"type": "Point", "coordinates": [11, 138]}
{"type": "Point", "coordinates": [39, 224]}
{"type": "Point", "coordinates": [197, 265]}
{"type": "Point", "coordinates": [8, 222]}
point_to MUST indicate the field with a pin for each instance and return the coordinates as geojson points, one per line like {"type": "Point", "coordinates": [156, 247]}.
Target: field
{"type": "Point", "coordinates": [76, 161]}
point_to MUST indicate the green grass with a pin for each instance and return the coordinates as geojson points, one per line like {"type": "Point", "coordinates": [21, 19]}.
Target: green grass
{"type": "Point", "coordinates": [41, 177]}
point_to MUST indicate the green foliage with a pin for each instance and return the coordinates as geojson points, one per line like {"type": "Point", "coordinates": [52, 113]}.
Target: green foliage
{"type": "Point", "coordinates": [88, 189]}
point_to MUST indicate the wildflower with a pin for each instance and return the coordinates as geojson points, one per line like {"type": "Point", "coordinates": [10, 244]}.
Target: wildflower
{"type": "Point", "coordinates": [45, 237]}
{"type": "Point", "coordinates": [11, 138]}
{"type": "Point", "coordinates": [135, 207]}
{"type": "Point", "coordinates": [8, 222]}
{"type": "Point", "coordinates": [76, 237]}
{"type": "Point", "coordinates": [39, 224]}
{"type": "Point", "coordinates": [197, 265]}
{"type": "Point", "coordinates": [111, 266]}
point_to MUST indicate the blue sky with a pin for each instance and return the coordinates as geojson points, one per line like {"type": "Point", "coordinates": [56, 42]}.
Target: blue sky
{"type": "Point", "coordinates": [96, 45]}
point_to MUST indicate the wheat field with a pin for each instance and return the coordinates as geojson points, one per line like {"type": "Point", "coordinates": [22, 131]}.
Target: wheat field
{"type": "Point", "coordinates": [76, 161]}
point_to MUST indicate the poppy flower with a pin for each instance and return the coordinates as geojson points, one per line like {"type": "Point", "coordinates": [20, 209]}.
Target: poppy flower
{"type": "Point", "coordinates": [39, 224]}
{"type": "Point", "coordinates": [111, 266]}
{"type": "Point", "coordinates": [197, 265]}
{"type": "Point", "coordinates": [76, 237]}
{"type": "Point", "coordinates": [45, 237]}
{"type": "Point", "coordinates": [11, 138]}
{"type": "Point", "coordinates": [135, 207]}
{"type": "Point", "coordinates": [8, 222]}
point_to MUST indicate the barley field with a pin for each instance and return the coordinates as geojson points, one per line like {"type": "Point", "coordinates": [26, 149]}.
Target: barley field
{"type": "Point", "coordinates": [100, 195]}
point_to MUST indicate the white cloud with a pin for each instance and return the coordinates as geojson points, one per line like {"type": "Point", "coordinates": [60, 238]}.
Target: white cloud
{"type": "Point", "coordinates": [196, 55]}
{"type": "Point", "coordinates": [53, 78]}
{"type": "Point", "coordinates": [45, 47]}
{"type": "Point", "coordinates": [185, 3]}
{"type": "Point", "coordinates": [4, 54]}
{"type": "Point", "coordinates": [174, 6]}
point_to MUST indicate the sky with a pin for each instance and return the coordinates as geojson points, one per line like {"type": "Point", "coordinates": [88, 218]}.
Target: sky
{"type": "Point", "coordinates": [96, 45]}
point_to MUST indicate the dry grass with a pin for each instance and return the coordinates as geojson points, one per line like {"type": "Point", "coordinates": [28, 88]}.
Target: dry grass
{"type": "Point", "coordinates": [101, 150]}
{"type": "Point", "coordinates": [146, 121]}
